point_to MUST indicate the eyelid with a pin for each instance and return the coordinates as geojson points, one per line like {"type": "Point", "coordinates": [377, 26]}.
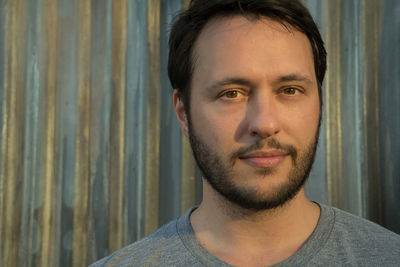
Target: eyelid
{"type": "Point", "coordinates": [297, 88]}
{"type": "Point", "coordinates": [236, 89]}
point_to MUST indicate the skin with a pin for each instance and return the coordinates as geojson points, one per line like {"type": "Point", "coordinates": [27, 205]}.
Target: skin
{"type": "Point", "coordinates": [276, 97]}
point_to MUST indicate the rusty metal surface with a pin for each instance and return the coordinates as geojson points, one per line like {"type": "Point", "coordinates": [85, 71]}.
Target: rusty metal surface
{"type": "Point", "coordinates": [91, 155]}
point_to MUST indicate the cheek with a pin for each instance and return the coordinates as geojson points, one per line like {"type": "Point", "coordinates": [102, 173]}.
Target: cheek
{"type": "Point", "coordinates": [302, 123]}
{"type": "Point", "coordinates": [313, 115]}
{"type": "Point", "coordinates": [217, 129]}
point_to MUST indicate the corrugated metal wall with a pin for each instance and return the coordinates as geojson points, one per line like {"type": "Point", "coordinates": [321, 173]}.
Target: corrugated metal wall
{"type": "Point", "coordinates": [91, 154]}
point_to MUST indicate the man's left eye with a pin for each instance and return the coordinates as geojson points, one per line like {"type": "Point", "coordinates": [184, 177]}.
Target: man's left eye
{"type": "Point", "coordinates": [290, 91]}
{"type": "Point", "coordinates": [231, 94]}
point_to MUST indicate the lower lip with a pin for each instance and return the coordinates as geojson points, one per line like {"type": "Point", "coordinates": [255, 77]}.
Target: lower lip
{"type": "Point", "coordinates": [264, 162]}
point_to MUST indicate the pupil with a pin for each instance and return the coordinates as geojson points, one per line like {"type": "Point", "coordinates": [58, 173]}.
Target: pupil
{"type": "Point", "coordinates": [232, 94]}
{"type": "Point", "coordinates": [290, 91]}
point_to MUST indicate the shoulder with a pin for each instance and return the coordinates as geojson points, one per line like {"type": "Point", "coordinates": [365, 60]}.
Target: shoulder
{"type": "Point", "coordinates": [162, 247]}
{"type": "Point", "coordinates": [349, 226]}
{"type": "Point", "coordinates": [361, 242]}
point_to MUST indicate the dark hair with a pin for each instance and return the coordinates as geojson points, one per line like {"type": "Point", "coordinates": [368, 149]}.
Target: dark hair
{"type": "Point", "coordinates": [189, 24]}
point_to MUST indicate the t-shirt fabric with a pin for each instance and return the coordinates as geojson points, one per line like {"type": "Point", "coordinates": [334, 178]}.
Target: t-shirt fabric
{"type": "Point", "coordinates": [340, 239]}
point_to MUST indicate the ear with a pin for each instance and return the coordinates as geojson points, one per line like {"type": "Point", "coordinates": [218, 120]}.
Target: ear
{"type": "Point", "coordinates": [180, 112]}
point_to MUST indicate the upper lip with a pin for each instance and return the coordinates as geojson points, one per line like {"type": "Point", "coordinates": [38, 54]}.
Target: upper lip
{"type": "Point", "coordinates": [264, 154]}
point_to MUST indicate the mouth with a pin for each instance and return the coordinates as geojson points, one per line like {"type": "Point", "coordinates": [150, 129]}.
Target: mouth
{"type": "Point", "coordinates": [264, 159]}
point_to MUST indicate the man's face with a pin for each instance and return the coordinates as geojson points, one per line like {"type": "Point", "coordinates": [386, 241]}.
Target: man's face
{"type": "Point", "coordinates": [254, 112]}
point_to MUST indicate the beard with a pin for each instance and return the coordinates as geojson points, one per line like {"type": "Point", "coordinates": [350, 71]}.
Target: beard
{"type": "Point", "coordinates": [219, 173]}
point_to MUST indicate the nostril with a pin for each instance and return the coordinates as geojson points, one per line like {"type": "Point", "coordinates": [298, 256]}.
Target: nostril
{"type": "Point", "coordinates": [260, 134]}
{"type": "Point", "coordinates": [264, 132]}
{"type": "Point", "coordinates": [253, 133]}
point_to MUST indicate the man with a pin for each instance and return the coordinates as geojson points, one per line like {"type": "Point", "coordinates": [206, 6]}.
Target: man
{"type": "Point", "coordinates": [247, 78]}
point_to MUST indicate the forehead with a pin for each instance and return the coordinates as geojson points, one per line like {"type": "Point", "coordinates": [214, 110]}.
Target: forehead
{"type": "Point", "coordinates": [237, 45]}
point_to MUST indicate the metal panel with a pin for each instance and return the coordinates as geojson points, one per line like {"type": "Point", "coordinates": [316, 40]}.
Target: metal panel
{"type": "Point", "coordinates": [13, 129]}
{"type": "Point", "coordinates": [170, 145]}
{"type": "Point", "coordinates": [136, 99]}
{"type": "Point", "coordinates": [352, 117]}
{"type": "Point", "coordinates": [153, 116]}
{"type": "Point", "coordinates": [117, 125]}
{"type": "Point", "coordinates": [316, 185]}
{"type": "Point", "coordinates": [333, 98]}
{"type": "Point", "coordinates": [389, 106]}
{"type": "Point", "coordinates": [101, 98]}
{"type": "Point", "coordinates": [92, 157]}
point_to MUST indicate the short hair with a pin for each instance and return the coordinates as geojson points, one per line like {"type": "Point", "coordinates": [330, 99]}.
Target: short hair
{"type": "Point", "coordinates": [189, 24]}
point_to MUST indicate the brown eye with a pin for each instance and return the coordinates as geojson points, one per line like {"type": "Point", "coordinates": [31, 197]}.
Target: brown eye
{"type": "Point", "coordinates": [290, 91]}
{"type": "Point", "coordinates": [231, 94]}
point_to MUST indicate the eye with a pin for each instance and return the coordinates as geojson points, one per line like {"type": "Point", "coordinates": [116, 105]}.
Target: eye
{"type": "Point", "coordinates": [232, 94]}
{"type": "Point", "coordinates": [291, 90]}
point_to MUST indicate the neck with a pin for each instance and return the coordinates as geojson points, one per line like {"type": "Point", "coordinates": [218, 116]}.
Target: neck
{"type": "Point", "coordinates": [225, 229]}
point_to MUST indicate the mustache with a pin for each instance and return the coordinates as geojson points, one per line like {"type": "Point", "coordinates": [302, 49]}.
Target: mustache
{"type": "Point", "coordinates": [265, 143]}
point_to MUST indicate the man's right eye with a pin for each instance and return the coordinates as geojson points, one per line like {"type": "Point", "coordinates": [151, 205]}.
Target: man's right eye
{"type": "Point", "coordinates": [232, 94]}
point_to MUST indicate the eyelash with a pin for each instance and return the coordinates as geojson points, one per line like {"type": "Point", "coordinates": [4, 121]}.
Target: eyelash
{"type": "Point", "coordinates": [296, 90]}
{"type": "Point", "coordinates": [238, 91]}
{"type": "Point", "coordinates": [282, 91]}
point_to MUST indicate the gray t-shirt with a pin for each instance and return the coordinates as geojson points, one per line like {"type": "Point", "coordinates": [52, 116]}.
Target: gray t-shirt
{"type": "Point", "coordinates": [340, 239]}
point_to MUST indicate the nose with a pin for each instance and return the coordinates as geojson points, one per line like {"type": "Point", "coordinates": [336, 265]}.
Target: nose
{"type": "Point", "coordinates": [263, 117]}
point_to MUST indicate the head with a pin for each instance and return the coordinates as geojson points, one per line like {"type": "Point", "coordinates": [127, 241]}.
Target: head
{"type": "Point", "coordinates": [247, 78]}
{"type": "Point", "coordinates": [190, 23]}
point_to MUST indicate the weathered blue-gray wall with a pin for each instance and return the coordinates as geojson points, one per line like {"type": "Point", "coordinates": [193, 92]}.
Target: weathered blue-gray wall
{"type": "Point", "coordinates": [92, 157]}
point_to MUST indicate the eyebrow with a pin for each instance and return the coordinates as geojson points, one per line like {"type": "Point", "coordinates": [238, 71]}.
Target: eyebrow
{"type": "Point", "coordinates": [229, 81]}
{"type": "Point", "coordinates": [293, 78]}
